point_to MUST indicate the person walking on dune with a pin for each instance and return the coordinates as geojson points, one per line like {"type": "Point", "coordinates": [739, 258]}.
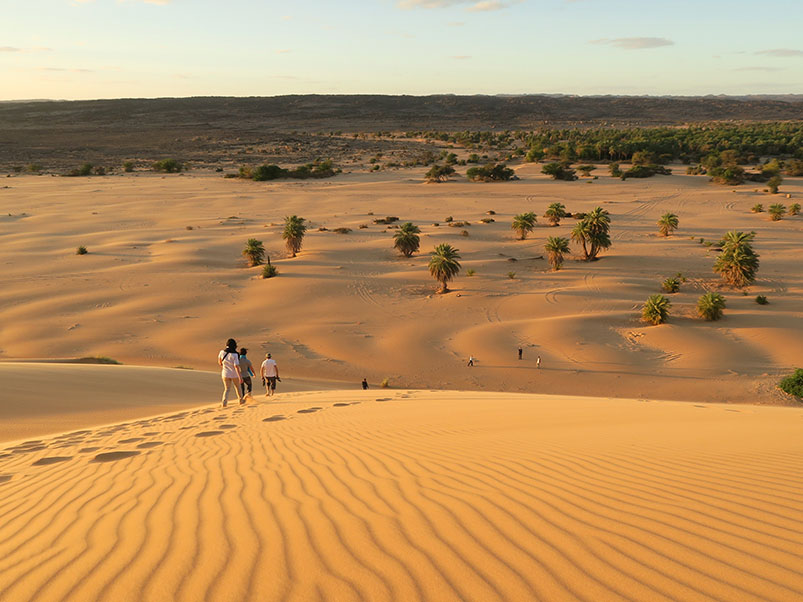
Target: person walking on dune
{"type": "Point", "coordinates": [229, 361]}
{"type": "Point", "coordinates": [364, 384]}
{"type": "Point", "coordinates": [470, 361]}
{"type": "Point", "coordinates": [538, 362]}
{"type": "Point", "coordinates": [521, 351]}
{"type": "Point", "coordinates": [247, 371]}
{"type": "Point", "coordinates": [270, 374]}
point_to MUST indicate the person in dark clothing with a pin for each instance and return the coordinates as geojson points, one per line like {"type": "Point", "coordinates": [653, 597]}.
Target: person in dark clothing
{"type": "Point", "coordinates": [364, 384]}
{"type": "Point", "coordinates": [247, 370]}
{"type": "Point", "coordinates": [520, 352]}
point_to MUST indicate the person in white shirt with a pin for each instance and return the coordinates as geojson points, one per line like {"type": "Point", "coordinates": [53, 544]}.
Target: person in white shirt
{"type": "Point", "coordinates": [229, 361]}
{"type": "Point", "coordinates": [270, 374]}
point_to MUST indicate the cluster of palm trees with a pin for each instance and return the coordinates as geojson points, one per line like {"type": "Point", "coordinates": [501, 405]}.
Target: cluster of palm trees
{"type": "Point", "coordinates": [656, 308]}
{"type": "Point", "coordinates": [593, 233]}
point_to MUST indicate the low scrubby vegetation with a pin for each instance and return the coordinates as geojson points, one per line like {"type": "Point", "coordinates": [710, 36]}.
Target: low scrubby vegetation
{"type": "Point", "coordinates": [491, 172]}
{"type": "Point", "coordinates": [793, 384]}
{"type": "Point", "coordinates": [710, 306]}
{"type": "Point", "coordinates": [168, 166]}
{"type": "Point", "coordinates": [656, 309]}
{"type": "Point", "coordinates": [559, 171]}
{"type": "Point", "coordinates": [267, 172]}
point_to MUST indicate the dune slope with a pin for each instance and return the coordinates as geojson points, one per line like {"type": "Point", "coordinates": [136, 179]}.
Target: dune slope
{"type": "Point", "coordinates": [413, 495]}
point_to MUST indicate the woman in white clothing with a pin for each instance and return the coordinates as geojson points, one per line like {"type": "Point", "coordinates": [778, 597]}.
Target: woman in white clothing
{"type": "Point", "coordinates": [229, 361]}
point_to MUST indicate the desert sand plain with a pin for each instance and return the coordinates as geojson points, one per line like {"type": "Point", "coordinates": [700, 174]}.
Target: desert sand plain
{"type": "Point", "coordinates": [607, 474]}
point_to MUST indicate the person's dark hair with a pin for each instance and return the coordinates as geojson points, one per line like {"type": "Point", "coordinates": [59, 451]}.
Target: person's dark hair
{"type": "Point", "coordinates": [231, 346]}
{"type": "Point", "coordinates": [243, 351]}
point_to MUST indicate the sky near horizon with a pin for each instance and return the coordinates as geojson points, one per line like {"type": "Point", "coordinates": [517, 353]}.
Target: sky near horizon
{"type": "Point", "coordinates": [85, 49]}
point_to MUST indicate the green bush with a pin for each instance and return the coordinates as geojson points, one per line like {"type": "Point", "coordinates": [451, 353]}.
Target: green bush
{"type": "Point", "coordinates": [128, 166]}
{"type": "Point", "coordinates": [710, 306]}
{"type": "Point", "coordinates": [84, 170]}
{"type": "Point", "coordinates": [777, 211]}
{"type": "Point", "coordinates": [490, 173]}
{"type": "Point", "coordinates": [761, 300]}
{"type": "Point", "coordinates": [269, 271]}
{"type": "Point", "coordinates": [168, 166]}
{"type": "Point", "coordinates": [671, 285]}
{"type": "Point", "coordinates": [794, 209]}
{"type": "Point", "coordinates": [757, 208]}
{"type": "Point", "coordinates": [793, 384]}
{"type": "Point", "coordinates": [732, 174]}
{"type": "Point", "coordinates": [646, 171]}
{"type": "Point", "coordinates": [439, 173]}
{"type": "Point", "coordinates": [559, 171]}
{"type": "Point", "coordinates": [81, 250]}
{"type": "Point", "coordinates": [656, 309]}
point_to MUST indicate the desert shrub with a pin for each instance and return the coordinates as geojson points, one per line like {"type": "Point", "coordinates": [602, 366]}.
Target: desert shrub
{"type": "Point", "coordinates": [523, 223]}
{"type": "Point", "coordinates": [533, 155]}
{"type": "Point", "coordinates": [667, 224]}
{"type": "Point", "coordinates": [554, 213]}
{"type": "Point", "coordinates": [439, 173]}
{"type": "Point", "coordinates": [774, 183]}
{"type": "Point", "coordinates": [738, 262]}
{"type": "Point", "coordinates": [470, 272]}
{"type": "Point", "coordinates": [449, 219]}
{"type": "Point", "coordinates": [386, 220]}
{"type": "Point", "coordinates": [99, 170]}
{"type": "Point", "coordinates": [491, 212]}
{"type": "Point", "coordinates": [34, 168]}
{"type": "Point", "coordinates": [473, 158]}
{"type": "Point", "coordinates": [463, 232]}
{"type": "Point", "coordinates": [84, 170]}
{"type": "Point", "coordinates": [81, 250]}
{"type": "Point", "coordinates": [695, 170]}
{"type": "Point", "coordinates": [128, 166]}
{"type": "Point", "coordinates": [761, 300]}
{"type": "Point", "coordinates": [342, 230]}
{"type": "Point", "coordinates": [732, 174]}
{"type": "Point", "coordinates": [559, 171]}
{"type": "Point", "coordinates": [757, 208]}
{"type": "Point", "coordinates": [490, 173]}
{"type": "Point", "coordinates": [460, 224]}
{"type": "Point", "coordinates": [385, 383]}
{"type": "Point", "coordinates": [511, 275]}
{"type": "Point", "coordinates": [188, 228]}
{"type": "Point", "coordinates": [586, 169]}
{"type": "Point", "coordinates": [794, 167]}
{"type": "Point", "coordinates": [487, 220]}
{"type": "Point", "coordinates": [269, 271]}
{"type": "Point", "coordinates": [656, 309]}
{"type": "Point", "coordinates": [777, 211]}
{"type": "Point", "coordinates": [710, 306]}
{"type": "Point", "coordinates": [671, 285]}
{"type": "Point", "coordinates": [615, 170]}
{"type": "Point", "coordinates": [362, 226]}
{"type": "Point", "coordinates": [645, 171]}
{"type": "Point", "coordinates": [793, 384]}
{"type": "Point", "coordinates": [168, 166]}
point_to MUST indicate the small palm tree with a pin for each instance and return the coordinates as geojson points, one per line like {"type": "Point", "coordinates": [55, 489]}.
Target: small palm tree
{"type": "Point", "coordinates": [254, 251]}
{"type": "Point", "coordinates": [671, 285]}
{"type": "Point", "coordinates": [406, 239]}
{"type": "Point", "coordinates": [668, 224]}
{"type": "Point", "coordinates": [293, 234]}
{"type": "Point", "coordinates": [710, 306]}
{"type": "Point", "coordinates": [444, 265]}
{"type": "Point", "coordinates": [777, 211]}
{"type": "Point", "coordinates": [555, 247]}
{"type": "Point", "coordinates": [523, 223]}
{"type": "Point", "coordinates": [794, 208]}
{"type": "Point", "coordinates": [757, 208]}
{"type": "Point", "coordinates": [656, 309]}
{"type": "Point", "coordinates": [593, 233]}
{"type": "Point", "coordinates": [555, 212]}
{"type": "Point", "coordinates": [738, 262]}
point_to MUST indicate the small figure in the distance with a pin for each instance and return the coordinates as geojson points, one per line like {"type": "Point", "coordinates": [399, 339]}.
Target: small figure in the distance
{"type": "Point", "coordinates": [538, 362]}
{"type": "Point", "coordinates": [470, 361]}
{"type": "Point", "coordinates": [270, 374]}
{"type": "Point", "coordinates": [364, 384]}
{"type": "Point", "coordinates": [520, 352]}
{"type": "Point", "coordinates": [247, 371]}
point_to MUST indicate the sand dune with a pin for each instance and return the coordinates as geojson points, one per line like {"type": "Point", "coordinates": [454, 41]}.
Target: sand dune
{"type": "Point", "coordinates": [411, 495]}
{"type": "Point", "coordinates": [164, 283]}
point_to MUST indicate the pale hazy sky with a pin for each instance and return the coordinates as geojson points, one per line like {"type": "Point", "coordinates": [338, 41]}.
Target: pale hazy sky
{"type": "Point", "coordinates": [79, 49]}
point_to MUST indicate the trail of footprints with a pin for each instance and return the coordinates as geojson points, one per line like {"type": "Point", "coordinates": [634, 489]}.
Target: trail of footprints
{"type": "Point", "coordinates": [87, 442]}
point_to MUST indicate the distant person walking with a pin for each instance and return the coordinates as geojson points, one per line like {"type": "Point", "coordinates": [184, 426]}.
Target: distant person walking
{"type": "Point", "coordinates": [470, 361]}
{"type": "Point", "coordinates": [538, 362]}
{"type": "Point", "coordinates": [229, 361]}
{"type": "Point", "coordinates": [520, 352]}
{"type": "Point", "coordinates": [364, 384]}
{"type": "Point", "coordinates": [247, 371]}
{"type": "Point", "coordinates": [270, 374]}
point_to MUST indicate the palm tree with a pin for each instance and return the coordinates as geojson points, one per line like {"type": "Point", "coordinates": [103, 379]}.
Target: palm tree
{"type": "Point", "coordinates": [592, 233]}
{"type": "Point", "coordinates": [710, 306]}
{"type": "Point", "coordinates": [554, 212]}
{"type": "Point", "coordinates": [523, 223]}
{"type": "Point", "coordinates": [555, 247]}
{"type": "Point", "coordinates": [738, 262]}
{"type": "Point", "coordinates": [254, 251]}
{"type": "Point", "coordinates": [406, 239]}
{"type": "Point", "coordinates": [656, 309]}
{"type": "Point", "coordinates": [444, 264]}
{"type": "Point", "coordinates": [668, 224]}
{"type": "Point", "coordinates": [293, 234]}
{"type": "Point", "coordinates": [777, 211]}
{"type": "Point", "coordinates": [794, 208]}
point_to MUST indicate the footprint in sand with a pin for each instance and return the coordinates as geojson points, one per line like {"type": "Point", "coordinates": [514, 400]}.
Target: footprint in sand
{"type": "Point", "coordinates": [274, 419]}
{"type": "Point", "coordinates": [308, 410]}
{"type": "Point", "coordinates": [149, 444]}
{"type": "Point", "coordinates": [131, 440]}
{"type": "Point", "coordinates": [114, 456]}
{"type": "Point", "coordinates": [150, 434]}
{"type": "Point", "coordinates": [4, 478]}
{"type": "Point", "coordinates": [340, 405]}
{"type": "Point", "coordinates": [51, 460]}
{"type": "Point", "coordinates": [696, 406]}
{"type": "Point", "coordinates": [220, 418]}
{"type": "Point", "coordinates": [25, 450]}
{"type": "Point", "coordinates": [384, 399]}
{"type": "Point", "coordinates": [4, 456]}
{"type": "Point", "coordinates": [209, 433]}
{"type": "Point", "coordinates": [228, 426]}
{"type": "Point", "coordinates": [185, 428]}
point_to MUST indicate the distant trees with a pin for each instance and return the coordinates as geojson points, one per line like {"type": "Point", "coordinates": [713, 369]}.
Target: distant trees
{"type": "Point", "coordinates": [555, 248]}
{"type": "Point", "coordinates": [439, 173]}
{"type": "Point", "coordinates": [774, 183]}
{"type": "Point", "coordinates": [615, 170]}
{"type": "Point", "coordinates": [263, 173]}
{"type": "Point", "coordinates": [523, 223]}
{"type": "Point", "coordinates": [293, 233]}
{"type": "Point", "coordinates": [656, 309]}
{"type": "Point", "coordinates": [444, 265]}
{"type": "Point", "coordinates": [554, 213]}
{"type": "Point", "coordinates": [738, 262]}
{"type": "Point", "coordinates": [406, 239]}
{"type": "Point", "coordinates": [668, 223]}
{"type": "Point", "coordinates": [490, 173]}
{"type": "Point", "coordinates": [559, 171]}
{"type": "Point", "coordinates": [645, 171]}
{"type": "Point", "coordinates": [254, 251]}
{"type": "Point", "coordinates": [586, 169]}
{"type": "Point", "coordinates": [592, 232]}
{"type": "Point", "coordinates": [710, 306]}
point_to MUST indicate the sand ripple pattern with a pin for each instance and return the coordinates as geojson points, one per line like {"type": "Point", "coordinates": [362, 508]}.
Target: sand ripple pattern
{"type": "Point", "coordinates": [425, 496]}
